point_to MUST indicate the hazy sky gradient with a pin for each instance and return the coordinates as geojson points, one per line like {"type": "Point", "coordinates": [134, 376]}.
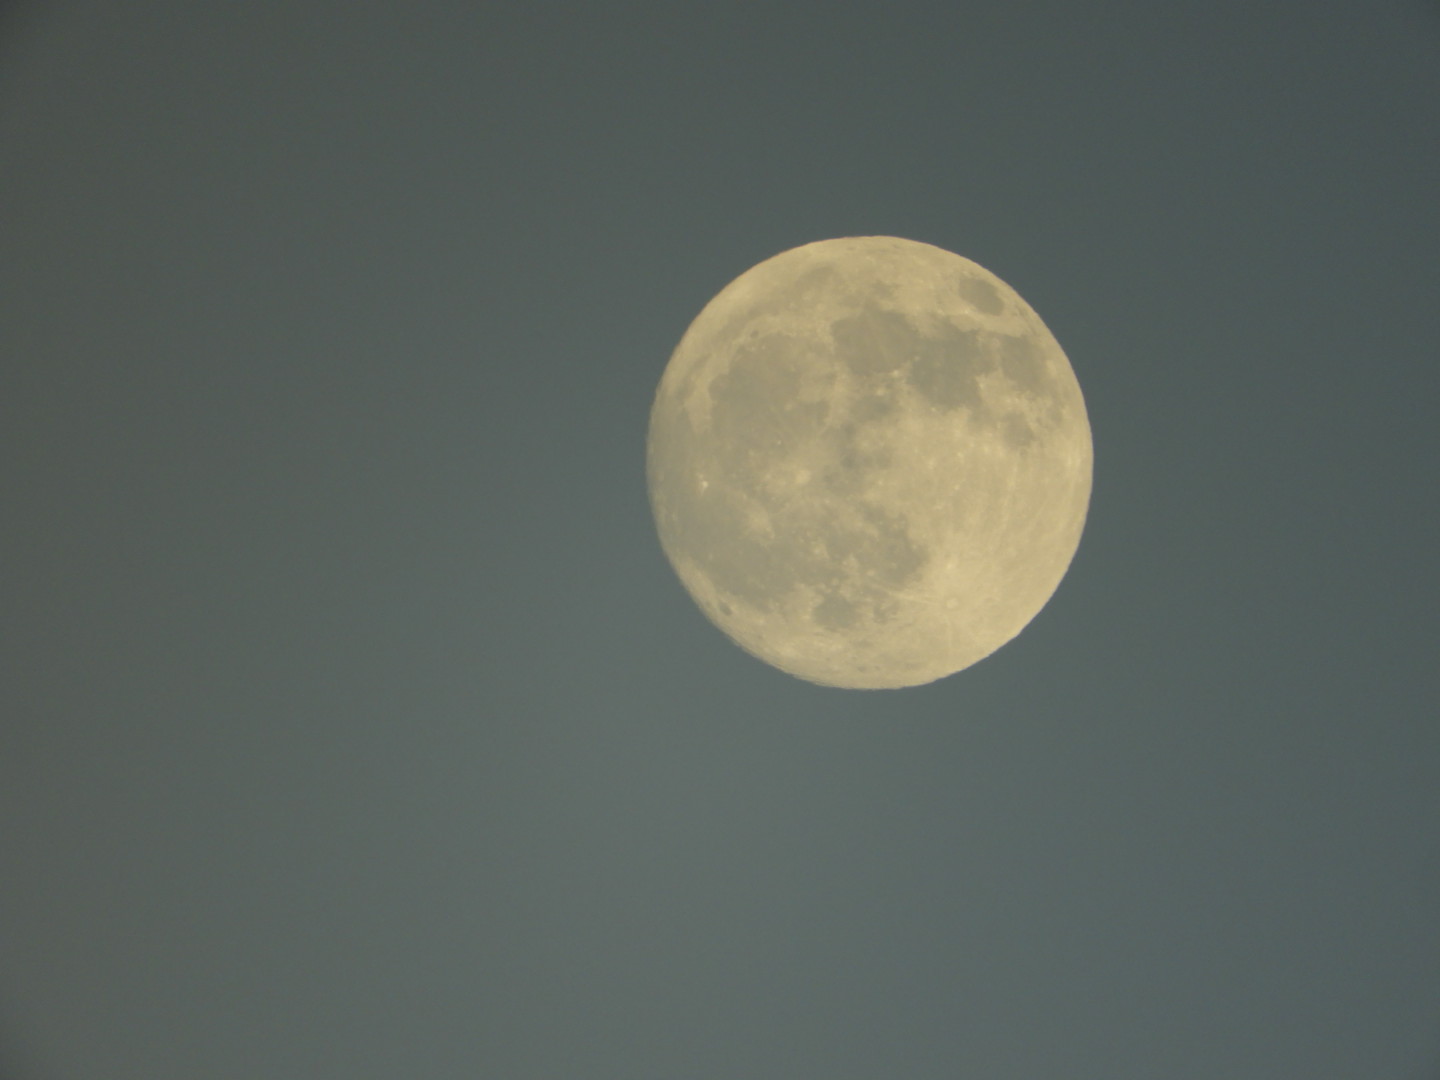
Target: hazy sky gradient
{"type": "Point", "coordinates": [353, 725]}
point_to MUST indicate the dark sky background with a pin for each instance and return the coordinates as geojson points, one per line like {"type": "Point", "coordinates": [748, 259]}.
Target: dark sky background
{"type": "Point", "coordinates": [352, 723]}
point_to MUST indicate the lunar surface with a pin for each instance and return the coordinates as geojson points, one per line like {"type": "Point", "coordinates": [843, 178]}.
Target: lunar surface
{"type": "Point", "coordinates": [869, 462]}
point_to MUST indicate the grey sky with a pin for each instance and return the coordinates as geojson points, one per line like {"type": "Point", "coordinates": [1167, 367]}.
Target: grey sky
{"type": "Point", "coordinates": [352, 723]}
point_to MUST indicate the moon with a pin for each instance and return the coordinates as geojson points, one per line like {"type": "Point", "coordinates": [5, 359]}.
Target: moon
{"type": "Point", "coordinates": [869, 462]}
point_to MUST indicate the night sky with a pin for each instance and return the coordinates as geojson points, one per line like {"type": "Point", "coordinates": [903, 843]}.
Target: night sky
{"type": "Point", "coordinates": [352, 723]}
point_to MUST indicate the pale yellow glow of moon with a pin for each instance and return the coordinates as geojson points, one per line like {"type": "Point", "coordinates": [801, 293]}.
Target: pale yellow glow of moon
{"type": "Point", "coordinates": [869, 462]}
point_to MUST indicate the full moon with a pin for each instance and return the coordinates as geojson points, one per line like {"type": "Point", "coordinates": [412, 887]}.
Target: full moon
{"type": "Point", "coordinates": [869, 462]}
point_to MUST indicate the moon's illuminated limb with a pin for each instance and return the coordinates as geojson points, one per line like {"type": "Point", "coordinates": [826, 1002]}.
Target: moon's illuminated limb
{"type": "Point", "coordinates": [869, 462]}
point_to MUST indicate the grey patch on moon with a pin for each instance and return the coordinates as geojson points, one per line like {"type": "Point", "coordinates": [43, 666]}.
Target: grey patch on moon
{"type": "Point", "coordinates": [873, 343]}
{"type": "Point", "coordinates": [1017, 431]}
{"type": "Point", "coordinates": [945, 383]}
{"type": "Point", "coordinates": [860, 481]}
{"type": "Point", "coordinates": [1023, 364]}
{"type": "Point", "coordinates": [981, 295]}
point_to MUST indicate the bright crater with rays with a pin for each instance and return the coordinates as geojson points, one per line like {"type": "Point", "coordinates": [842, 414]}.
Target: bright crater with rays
{"type": "Point", "coordinates": [869, 462]}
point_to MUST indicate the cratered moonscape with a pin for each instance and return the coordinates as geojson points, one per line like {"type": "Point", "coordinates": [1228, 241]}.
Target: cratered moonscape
{"type": "Point", "coordinates": [869, 462]}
